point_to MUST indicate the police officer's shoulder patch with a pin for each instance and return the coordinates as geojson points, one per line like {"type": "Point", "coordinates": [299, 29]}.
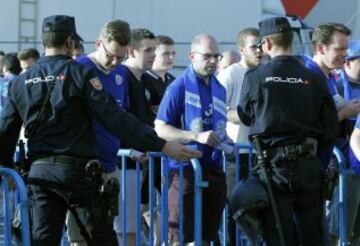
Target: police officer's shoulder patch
{"type": "Point", "coordinates": [95, 82]}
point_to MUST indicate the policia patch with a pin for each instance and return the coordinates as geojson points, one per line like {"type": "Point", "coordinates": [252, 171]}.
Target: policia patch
{"type": "Point", "coordinates": [95, 82]}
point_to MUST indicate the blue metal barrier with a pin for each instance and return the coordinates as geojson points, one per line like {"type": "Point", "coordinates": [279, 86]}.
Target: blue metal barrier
{"type": "Point", "coordinates": [23, 202]}
{"type": "Point", "coordinates": [199, 185]}
{"type": "Point", "coordinates": [342, 201]}
{"type": "Point", "coordinates": [249, 149]}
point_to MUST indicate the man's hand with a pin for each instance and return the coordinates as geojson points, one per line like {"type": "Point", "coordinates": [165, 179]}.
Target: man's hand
{"type": "Point", "coordinates": [209, 138]}
{"type": "Point", "coordinates": [142, 159]}
{"type": "Point", "coordinates": [351, 109]}
{"type": "Point", "coordinates": [179, 152]}
{"type": "Point", "coordinates": [232, 116]}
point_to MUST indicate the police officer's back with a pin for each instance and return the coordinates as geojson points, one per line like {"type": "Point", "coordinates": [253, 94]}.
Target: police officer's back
{"type": "Point", "coordinates": [290, 108]}
{"type": "Point", "coordinates": [56, 100]}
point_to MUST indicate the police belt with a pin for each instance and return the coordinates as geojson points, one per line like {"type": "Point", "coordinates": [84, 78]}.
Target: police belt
{"type": "Point", "coordinates": [61, 160]}
{"type": "Point", "coordinates": [292, 152]}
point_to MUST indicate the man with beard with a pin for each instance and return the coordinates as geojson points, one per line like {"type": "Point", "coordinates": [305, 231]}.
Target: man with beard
{"type": "Point", "coordinates": [232, 79]}
{"type": "Point", "coordinates": [193, 112]}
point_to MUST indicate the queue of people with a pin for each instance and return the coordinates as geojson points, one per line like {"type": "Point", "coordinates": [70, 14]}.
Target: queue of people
{"type": "Point", "coordinates": [78, 109]}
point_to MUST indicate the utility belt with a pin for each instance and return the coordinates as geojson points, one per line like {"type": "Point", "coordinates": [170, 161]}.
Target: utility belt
{"type": "Point", "coordinates": [105, 201]}
{"type": "Point", "coordinates": [61, 160]}
{"type": "Point", "coordinates": [291, 152]}
{"type": "Point", "coordinates": [283, 174]}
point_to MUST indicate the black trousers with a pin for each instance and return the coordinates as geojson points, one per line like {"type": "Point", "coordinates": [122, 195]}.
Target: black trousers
{"type": "Point", "coordinates": [301, 210]}
{"type": "Point", "coordinates": [52, 187]}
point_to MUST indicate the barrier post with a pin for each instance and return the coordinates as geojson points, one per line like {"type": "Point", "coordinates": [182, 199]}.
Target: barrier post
{"type": "Point", "coordinates": [238, 148]}
{"type": "Point", "coordinates": [199, 185]}
{"type": "Point", "coordinates": [342, 186]}
{"type": "Point", "coordinates": [24, 206]}
{"type": "Point", "coordinates": [164, 200]}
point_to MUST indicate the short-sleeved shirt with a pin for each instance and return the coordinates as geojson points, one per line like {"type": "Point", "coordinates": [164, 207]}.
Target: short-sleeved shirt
{"type": "Point", "coordinates": [141, 99]}
{"type": "Point", "coordinates": [232, 79]}
{"type": "Point", "coordinates": [155, 83]}
{"type": "Point", "coordinates": [114, 83]}
{"type": "Point", "coordinates": [172, 109]}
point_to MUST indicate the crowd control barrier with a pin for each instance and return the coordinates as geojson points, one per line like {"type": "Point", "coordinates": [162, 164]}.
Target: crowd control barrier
{"type": "Point", "coordinates": [21, 200]}
{"type": "Point", "coordinates": [242, 148]}
{"type": "Point", "coordinates": [342, 201]}
{"type": "Point", "coordinates": [199, 185]}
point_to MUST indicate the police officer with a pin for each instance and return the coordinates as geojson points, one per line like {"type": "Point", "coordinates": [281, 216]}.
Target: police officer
{"type": "Point", "coordinates": [56, 100]}
{"type": "Point", "coordinates": [290, 109]}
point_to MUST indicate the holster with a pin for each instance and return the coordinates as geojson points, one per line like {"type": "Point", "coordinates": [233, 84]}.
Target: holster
{"type": "Point", "coordinates": [330, 181]}
{"type": "Point", "coordinates": [281, 162]}
{"type": "Point", "coordinates": [109, 192]}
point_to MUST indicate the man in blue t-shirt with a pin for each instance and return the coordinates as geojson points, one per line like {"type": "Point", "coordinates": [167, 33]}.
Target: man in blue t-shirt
{"type": "Point", "coordinates": [193, 112]}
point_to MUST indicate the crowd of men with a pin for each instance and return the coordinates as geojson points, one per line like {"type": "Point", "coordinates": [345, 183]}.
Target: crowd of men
{"type": "Point", "coordinates": [77, 109]}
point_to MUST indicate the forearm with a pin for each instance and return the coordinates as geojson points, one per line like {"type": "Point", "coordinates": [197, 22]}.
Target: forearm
{"type": "Point", "coordinates": [355, 143]}
{"type": "Point", "coordinates": [171, 133]}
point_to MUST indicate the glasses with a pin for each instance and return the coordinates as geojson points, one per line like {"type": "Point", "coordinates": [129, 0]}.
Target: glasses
{"type": "Point", "coordinates": [260, 44]}
{"type": "Point", "coordinates": [208, 56]}
{"type": "Point", "coordinates": [111, 56]}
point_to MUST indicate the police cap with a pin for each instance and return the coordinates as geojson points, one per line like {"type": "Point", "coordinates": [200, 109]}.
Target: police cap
{"type": "Point", "coordinates": [274, 25]}
{"type": "Point", "coordinates": [60, 23]}
{"type": "Point", "coordinates": [353, 50]}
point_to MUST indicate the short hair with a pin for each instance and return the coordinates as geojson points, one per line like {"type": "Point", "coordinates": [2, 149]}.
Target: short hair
{"type": "Point", "coordinates": [2, 53]}
{"type": "Point", "coordinates": [198, 39]}
{"type": "Point", "coordinates": [118, 31]}
{"type": "Point", "coordinates": [165, 40]}
{"type": "Point", "coordinates": [55, 39]}
{"type": "Point", "coordinates": [139, 34]}
{"type": "Point", "coordinates": [79, 46]}
{"type": "Point", "coordinates": [324, 33]}
{"type": "Point", "coordinates": [250, 31]}
{"type": "Point", "coordinates": [12, 63]}
{"type": "Point", "coordinates": [282, 39]}
{"type": "Point", "coordinates": [29, 53]}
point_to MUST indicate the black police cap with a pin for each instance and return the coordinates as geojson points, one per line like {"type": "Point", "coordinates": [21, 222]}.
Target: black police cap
{"type": "Point", "coordinates": [274, 25]}
{"type": "Point", "coordinates": [60, 23]}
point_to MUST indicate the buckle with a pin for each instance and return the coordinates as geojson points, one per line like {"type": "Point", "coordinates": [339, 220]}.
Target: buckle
{"type": "Point", "coordinates": [293, 151]}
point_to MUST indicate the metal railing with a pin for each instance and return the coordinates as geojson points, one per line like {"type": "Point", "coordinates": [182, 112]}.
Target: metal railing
{"type": "Point", "coordinates": [199, 185]}
{"type": "Point", "coordinates": [21, 200]}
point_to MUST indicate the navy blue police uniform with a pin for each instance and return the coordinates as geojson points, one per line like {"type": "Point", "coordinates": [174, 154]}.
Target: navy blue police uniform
{"type": "Point", "coordinates": [64, 141]}
{"type": "Point", "coordinates": [290, 108]}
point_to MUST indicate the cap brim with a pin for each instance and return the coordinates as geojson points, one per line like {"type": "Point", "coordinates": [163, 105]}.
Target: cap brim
{"type": "Point", "coordinates": [78, 38]}
{"type": "Point", "coordinates": [352, 57]}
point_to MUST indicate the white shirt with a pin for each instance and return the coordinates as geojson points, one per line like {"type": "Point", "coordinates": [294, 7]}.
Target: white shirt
{"type": "Point", "coordinates": [232, 79]}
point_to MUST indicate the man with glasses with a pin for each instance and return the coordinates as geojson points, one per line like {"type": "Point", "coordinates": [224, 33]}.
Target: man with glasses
{"type": "Point", "coordinates": [290, 110]}
{"type": "Point", "coordinates": [111, 50]}
{"type": "Point", "coordinates": [193, 112]}
{"type": "Point", "coordinates": [58, 99]}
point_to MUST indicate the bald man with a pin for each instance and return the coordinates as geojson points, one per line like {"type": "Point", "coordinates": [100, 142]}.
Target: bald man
{"type": "Point", "coordinates": [193, 112]}
{"type": "Point", "coordinates": [229, 57]}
